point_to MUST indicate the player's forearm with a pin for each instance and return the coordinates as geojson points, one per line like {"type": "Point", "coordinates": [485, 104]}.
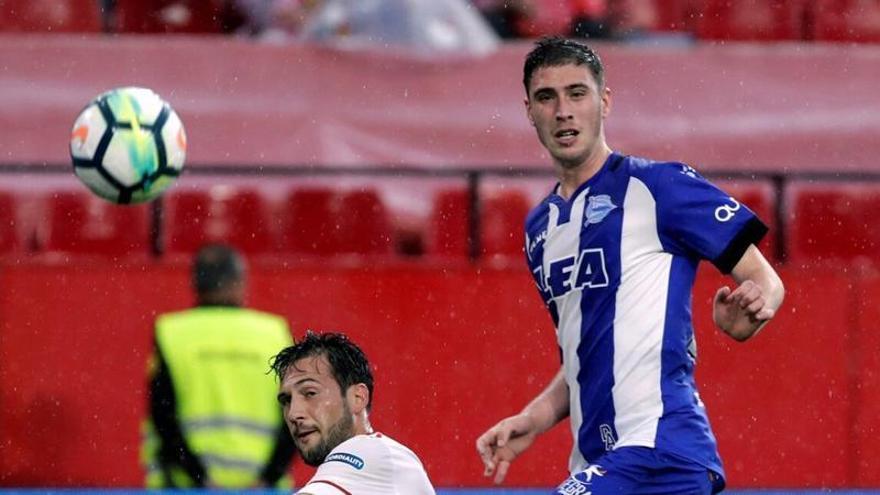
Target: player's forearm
{"type": "Point", "coordinates": [774, 290]}
{"type": "Point", "coordinates": [550, 406]}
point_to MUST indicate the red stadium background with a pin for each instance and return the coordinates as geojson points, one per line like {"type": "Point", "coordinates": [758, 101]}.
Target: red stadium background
{"type": "Point", "coordinates": [457, 343]}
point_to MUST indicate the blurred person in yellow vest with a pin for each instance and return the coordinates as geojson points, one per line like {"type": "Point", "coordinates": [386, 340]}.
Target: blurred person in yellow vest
{"type": "Point", "coordinates": [214, 421]}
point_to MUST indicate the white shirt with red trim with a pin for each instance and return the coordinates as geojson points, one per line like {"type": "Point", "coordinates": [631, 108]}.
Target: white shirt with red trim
{"type": "Point", "coordinates": [370, 465]}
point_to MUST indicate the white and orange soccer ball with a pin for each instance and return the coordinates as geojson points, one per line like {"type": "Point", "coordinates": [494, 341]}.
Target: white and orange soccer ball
{"type": "Point", "coordinates": [128, 145]}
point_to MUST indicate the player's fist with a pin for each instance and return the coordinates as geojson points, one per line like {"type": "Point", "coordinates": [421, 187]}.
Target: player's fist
{"type": "Point", "coordinates": [742, 311]}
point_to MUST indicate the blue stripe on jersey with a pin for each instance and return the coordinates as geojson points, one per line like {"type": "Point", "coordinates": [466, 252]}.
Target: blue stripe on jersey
{"type": "Point", "coordinates": [600, 224]}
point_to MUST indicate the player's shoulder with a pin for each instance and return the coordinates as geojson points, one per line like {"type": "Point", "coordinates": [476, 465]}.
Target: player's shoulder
{"type": "Point", "coordinates": [537, 212]}
{"type": "Point", "coordinates": [374, 464]}
{"type": "Point", "coordinates": [373, 444]}
{"type": "Point", "coordinates": [647, 167]}
{"type": "Point", "coordinates": [380, 448]}
{"type": "Point", "coordinates": [656, 174]}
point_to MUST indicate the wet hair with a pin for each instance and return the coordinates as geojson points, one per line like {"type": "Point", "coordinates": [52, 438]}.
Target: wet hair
{"type": "Point", "coordinates": [216, 267]}
{"type": "Point", "coordinates": [347, 361]}
{"type": "Point", "coordinates": [555, 51]}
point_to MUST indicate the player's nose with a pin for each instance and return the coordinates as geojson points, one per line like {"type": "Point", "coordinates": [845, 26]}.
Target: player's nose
{"type": "Point", "coordinates": [563, 110]}
{"type": "Point", "coordinates": [295, 413]}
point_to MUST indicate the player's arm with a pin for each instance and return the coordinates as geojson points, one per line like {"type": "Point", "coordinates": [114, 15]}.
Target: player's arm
{"type": "Point", "coordinates": [511, 436]}
{"type": "Point", "coordinates": [742, 311]}
{"type": "Point", "coordinates": [550, 406]}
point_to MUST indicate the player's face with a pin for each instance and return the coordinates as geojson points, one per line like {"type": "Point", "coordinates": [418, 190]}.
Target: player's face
{"type": "Point", "coordinates": [315, 409]}
{"type": "Point", "coordinates": [567, 108]}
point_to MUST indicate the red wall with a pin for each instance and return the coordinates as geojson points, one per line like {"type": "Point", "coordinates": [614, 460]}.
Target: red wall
{"type": "Point", "coordinates": [455, 348]}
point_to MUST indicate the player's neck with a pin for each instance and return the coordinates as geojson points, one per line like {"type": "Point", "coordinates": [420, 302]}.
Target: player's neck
{"type": "Point", "coordinates": [571, 178]}
{"type": "Point", "coordinates": [362, 426]}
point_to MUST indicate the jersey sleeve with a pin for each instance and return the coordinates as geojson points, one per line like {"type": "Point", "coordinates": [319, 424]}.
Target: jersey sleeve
{"type": "Point", "coordinates": [333, 478]}
{"type": "Point", "coordinates": [697, 219]}
{"type": "Point", "coordinates": [323, 487]}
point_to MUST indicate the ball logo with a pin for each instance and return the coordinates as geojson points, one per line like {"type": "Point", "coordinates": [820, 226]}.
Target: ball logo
{"type": "Point", "coordinates": [79, 135]}
{"type": "Point", "coordinates": [181, 139]}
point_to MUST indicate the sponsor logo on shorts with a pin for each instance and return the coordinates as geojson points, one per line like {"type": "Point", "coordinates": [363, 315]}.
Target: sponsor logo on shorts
{"type": "Point", "coordinates": [350, 459]}
{"type": "Point", "coordinates": [573, 487]}
{"type": "Point", "coordinates": [593, 470]}
{"type": "Point", "coordinates": [579, 483]}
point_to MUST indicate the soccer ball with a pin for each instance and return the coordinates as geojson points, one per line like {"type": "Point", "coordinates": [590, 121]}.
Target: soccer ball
{"type": "Point", "coordinates": [128, 145]}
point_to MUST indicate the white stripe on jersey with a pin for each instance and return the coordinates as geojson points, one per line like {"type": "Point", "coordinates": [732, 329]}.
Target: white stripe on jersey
{"type": "Point", "coordinates": [643, 291]}
{"type": "Point", "coordinates": [563, 241]}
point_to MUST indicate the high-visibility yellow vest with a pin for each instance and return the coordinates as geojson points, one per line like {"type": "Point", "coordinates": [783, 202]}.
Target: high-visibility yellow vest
{"type": "Point", "coordinates": [218, 359]}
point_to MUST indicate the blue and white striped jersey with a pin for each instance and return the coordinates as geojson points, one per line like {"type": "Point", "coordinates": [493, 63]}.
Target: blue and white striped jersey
{"type": "Point", "coordinates": [615, 265]}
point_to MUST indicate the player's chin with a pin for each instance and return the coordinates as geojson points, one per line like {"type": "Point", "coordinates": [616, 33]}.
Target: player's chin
{"type": "Point", "coordinates": [569, 158]}
{"type": "Point", "coordinates": [303, 441]}
{"type": "Point", "coordinates": [311, 457]}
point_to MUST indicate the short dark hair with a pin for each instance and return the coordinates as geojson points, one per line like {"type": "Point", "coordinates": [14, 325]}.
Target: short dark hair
{"type": "Point", "coordinates": [215, 267]}
{"type": "Point", "coordinates": [555, 51]}
{"type": "Point", "coordinates": [348, 362]}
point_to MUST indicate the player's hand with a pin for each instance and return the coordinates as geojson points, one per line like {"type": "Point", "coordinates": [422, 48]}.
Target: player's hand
{"type": "Point", "coordinates": [502, 443]}
{"type": "Point", "coordinates": [741, 312]}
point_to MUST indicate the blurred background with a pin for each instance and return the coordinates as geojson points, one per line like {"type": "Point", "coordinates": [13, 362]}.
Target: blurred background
{"type": "Point", "coordinates": [373, 160]}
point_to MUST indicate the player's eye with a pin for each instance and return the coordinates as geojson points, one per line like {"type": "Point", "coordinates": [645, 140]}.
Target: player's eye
{"type": "Point", "coordinates": [544, 96]}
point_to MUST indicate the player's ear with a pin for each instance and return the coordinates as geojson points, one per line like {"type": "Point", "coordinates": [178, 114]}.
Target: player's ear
{"type": "Point", "coordinates": [606, 102]}
{"type": "Point", "coordinates": [358, 396]}
{"type": "Point", "coordinates": [528, 112]}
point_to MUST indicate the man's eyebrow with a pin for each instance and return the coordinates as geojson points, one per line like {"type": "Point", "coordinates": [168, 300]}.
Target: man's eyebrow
{"type": "Point", "coordinates": [304, 380]}
{"type": "Point", "coordinates": [284, 396]}
{"type": "Point", "coordinates": [570, 87]}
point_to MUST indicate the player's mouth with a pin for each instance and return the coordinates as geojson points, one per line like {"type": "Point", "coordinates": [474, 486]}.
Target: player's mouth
{"type": "Point", "coordinates": [303, 436]}
{"type": "Point", "coordinates": [566, 137]}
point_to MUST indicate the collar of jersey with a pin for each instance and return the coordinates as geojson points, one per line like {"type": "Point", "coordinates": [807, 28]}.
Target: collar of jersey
{"type": "Point", "coordinates": [613, 157]}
